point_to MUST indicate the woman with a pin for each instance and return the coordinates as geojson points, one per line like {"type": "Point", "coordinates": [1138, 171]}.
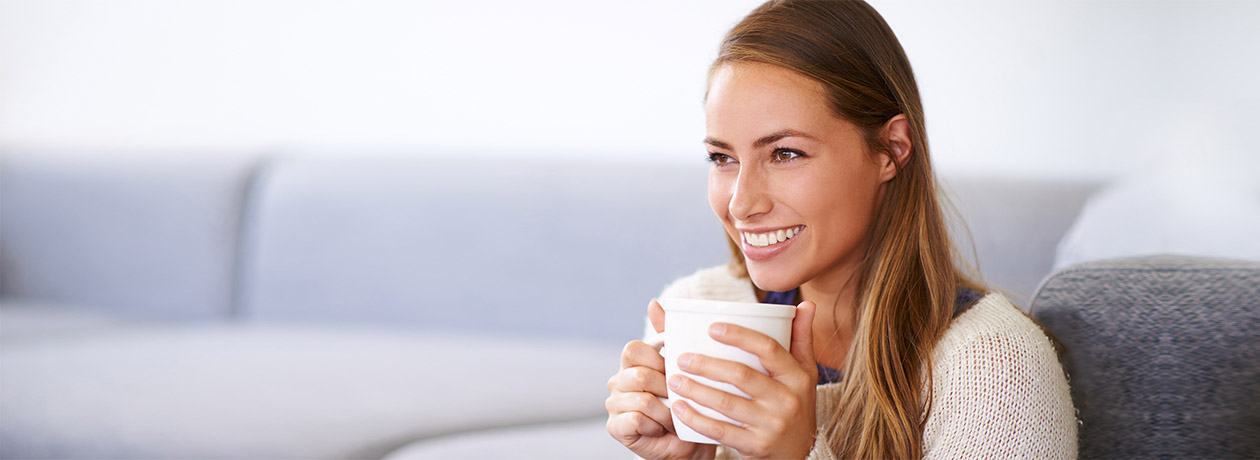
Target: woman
{"type": "Point", "coordinates": [821, 177]}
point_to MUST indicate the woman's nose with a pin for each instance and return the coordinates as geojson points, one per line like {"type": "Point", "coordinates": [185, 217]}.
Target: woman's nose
{"type": "Point", "coordinates": [749, 197]}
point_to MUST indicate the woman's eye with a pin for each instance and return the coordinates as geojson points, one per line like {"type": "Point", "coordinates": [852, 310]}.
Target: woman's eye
{"type": "Point", "coordinates": [720, 159]}
{"type": "Point", "coordinates": [786, 155]}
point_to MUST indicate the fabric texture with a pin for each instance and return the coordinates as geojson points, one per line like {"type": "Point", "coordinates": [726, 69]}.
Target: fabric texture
{"type": "Point", "coordinates": [1163, 353]}
{"type": "Point", "coordinates": [999, 390]}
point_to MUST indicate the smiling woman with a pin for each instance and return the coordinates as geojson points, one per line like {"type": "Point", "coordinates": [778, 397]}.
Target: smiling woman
{"type": "Point", "coordinates": [822, 178]}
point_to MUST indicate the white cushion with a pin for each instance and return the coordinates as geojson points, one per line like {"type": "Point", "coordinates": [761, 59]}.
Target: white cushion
{"type": "Point", "coordinates": [1170, 213]}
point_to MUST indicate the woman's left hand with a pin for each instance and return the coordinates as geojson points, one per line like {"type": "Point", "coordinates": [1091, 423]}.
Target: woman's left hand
{"type": "Point", "coordinates": [778, 420]}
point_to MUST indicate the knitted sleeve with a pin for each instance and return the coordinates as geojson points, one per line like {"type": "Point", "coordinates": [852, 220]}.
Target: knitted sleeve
{"type": "Point", "coordinates": [712, 283]}
{"type": "Point", "coordinates": [820, 451]}
{"type": "Point", "coordinates": [999, 390]}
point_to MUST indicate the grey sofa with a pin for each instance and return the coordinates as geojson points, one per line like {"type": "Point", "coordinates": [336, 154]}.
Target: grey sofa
{"type": "Point", "coordinates": [364, 305]}
{"type": "Point", "coordinates": [1163, 353]}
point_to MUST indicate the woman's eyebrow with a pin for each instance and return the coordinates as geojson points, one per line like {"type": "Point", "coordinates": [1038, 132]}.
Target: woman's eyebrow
{"type": "Point", "coordinates": [767, 140]}
{"type": "Point", "coordinates": [717, 143]}
{"type": "Point", "coordinates": [764, 141]}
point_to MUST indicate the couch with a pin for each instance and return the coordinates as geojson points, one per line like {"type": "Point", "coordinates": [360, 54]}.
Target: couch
{"type": "Point", "coordinates": [1163, 352]}
{"type": "Point", "coordinates": [365, 305]}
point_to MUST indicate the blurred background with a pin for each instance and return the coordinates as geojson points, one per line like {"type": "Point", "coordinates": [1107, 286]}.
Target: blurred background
{"type": "Point", "coordinates": [1026, 88]}
{"type": "Point", "coordinates": [421, 229]}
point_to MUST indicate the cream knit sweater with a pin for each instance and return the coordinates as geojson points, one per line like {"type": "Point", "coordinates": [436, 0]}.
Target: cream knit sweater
{"type": "Point", "coordinates": [998, 388]}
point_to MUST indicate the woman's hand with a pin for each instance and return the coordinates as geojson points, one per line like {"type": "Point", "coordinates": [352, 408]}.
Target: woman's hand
{"type": "Point", "coordinates": [636, 418]}
{"type": "Point", "coordinates": [778, 422]}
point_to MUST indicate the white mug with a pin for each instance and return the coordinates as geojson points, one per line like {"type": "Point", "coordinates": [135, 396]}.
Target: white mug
{"type": "Point", "coordinates": [687, 324]}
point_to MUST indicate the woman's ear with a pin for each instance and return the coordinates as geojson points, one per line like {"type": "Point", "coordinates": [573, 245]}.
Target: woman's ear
{"type": "Point", "coordinates": [897, 132]}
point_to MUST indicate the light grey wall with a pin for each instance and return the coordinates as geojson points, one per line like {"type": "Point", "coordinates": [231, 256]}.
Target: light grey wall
{"type": "Point", "coordinates": [1028, 88]}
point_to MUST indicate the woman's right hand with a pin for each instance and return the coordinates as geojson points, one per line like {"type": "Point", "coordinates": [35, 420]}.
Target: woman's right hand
{"type": "Point", "coordinates": [636, 418]}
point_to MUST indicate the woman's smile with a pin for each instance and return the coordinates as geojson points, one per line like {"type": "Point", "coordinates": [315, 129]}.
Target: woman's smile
{"type": "Point", "coordinates": [763, 244]}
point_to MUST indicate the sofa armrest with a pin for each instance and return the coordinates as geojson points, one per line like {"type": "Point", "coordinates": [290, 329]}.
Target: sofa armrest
{"type": "Point", "coordinates": [1162, 352]}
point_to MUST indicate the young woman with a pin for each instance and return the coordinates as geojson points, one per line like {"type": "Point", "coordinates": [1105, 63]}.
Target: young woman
{"type": "Point", "coordinates": [822, 179]}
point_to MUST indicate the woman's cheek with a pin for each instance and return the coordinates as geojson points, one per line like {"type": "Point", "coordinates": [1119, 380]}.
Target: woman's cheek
{"type": "Point", "coordinates": [719, 197]}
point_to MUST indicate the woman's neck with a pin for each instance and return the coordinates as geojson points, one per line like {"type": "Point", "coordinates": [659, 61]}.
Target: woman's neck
{"type": "Point", "coordinates": [835, 295]}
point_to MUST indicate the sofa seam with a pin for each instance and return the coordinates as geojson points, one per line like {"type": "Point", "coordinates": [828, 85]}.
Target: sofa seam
{"type": "Point", "coordinates": [247, 214]}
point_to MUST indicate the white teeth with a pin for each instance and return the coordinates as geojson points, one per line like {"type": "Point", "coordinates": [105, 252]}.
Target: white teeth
{"type": "Point", "coordinates": [765, 239]}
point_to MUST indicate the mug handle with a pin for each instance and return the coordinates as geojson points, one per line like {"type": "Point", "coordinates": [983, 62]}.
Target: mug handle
{"type": "Point", "coordinates": [658, 342]}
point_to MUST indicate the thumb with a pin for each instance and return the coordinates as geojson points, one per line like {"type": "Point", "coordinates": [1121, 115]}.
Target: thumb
{"type": "Point", "coordinates": [656, 315]}
{"type": "Point", "coordinates": [803, 335]}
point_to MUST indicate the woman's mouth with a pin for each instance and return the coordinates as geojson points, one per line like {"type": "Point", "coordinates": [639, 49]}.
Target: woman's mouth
{"type": "Point", "coordinates": [763, 246]}
{"type": "Point", "coordinates": [771, 238]}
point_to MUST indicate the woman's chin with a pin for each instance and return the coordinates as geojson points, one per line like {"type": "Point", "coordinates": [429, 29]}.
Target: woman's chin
{"type": "Point", "coordinates": [770, 280]}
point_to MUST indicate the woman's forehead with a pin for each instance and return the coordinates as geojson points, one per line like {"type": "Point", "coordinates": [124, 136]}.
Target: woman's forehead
{"type": "Point", "coordinates": [751, 100]}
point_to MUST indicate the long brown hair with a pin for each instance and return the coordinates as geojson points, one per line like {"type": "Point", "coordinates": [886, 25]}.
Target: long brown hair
{"type": "Point", "coordinates": [908, 278]}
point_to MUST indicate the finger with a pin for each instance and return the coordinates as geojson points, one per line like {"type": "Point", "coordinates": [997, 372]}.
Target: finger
{"type": "Point", "coordinates": [628, 427]}
{"type": "Point", "coordinates": [639, 353]}
{"type": "Point", "coordinates": [656, 315]}
{"type": "Point", "coordinates": [731, 405]}
{"type": "Point", "coordinates": [747, 379]}
{"type": "Point", "coordinates": [644, 403]}
{"type": "Point", "coordinates": [717, 430]}
{"type": "Point", "coordinates": [803, 335]}
{"type": "Point", "coordinates": [638, 378]}
{"type": "Point", "coordinates": [773, 356]}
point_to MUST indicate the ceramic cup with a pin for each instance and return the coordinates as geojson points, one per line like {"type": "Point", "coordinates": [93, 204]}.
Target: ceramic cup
{"type": "Point", "coordinates": [687, 324]}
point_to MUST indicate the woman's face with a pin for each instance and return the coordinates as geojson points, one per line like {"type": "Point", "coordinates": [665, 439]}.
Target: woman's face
{"type": "Point", "coordinates": [792, 182]}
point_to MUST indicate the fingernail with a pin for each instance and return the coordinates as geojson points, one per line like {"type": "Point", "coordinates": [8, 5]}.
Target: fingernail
{"type": "Point", "coordinates": [675, 382]}
{"type": "Point", "coordinates": [679, 407]}
{"type": "Point", "coordinates": [717, 329]}
{"type": "Point", "coordinates": [684, 361]}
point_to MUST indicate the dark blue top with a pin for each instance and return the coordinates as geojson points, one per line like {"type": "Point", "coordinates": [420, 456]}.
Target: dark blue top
{"type": "Point", "coordinates": [963, 299]}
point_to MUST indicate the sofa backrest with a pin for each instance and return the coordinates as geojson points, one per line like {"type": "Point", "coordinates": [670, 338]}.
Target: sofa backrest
{"type": "Point", "coordinates": [568, 248]}
{"type": "Point", "coordinates": [376, 238]}
{"type": "Point", "coordinates": [523, 246]}
{"type": "Point", "coordinates": [1162, 353]}
{"type": "Point", "coordinates": [130, 234]}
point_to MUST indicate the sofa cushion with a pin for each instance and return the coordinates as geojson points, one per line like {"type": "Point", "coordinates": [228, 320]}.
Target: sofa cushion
{"type": "Point", "coordinates": [263, 392]}
{"type": "Point", "coordinates": [1166, 214]}
{"type": "Point", "coordinates": [132, 234]}
{"type": "Point", "coordinates": [1015, 225]}
{"type": "Point", "coordinates": [559, 248]}
{"type": "Point", "coordinates": [1162, 352]}
{"type": "Point", "coordinates": [580, 440]}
